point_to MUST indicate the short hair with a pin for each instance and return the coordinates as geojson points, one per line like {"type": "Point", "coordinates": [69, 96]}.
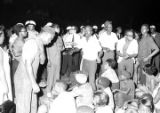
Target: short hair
{"type": "Point", "coordinates": [61, 84]}
{"type": "Point", "coordinates": [145, 25]}
{"type": "Point", "coordinates": [17, 28]}
{"type": "Point", "coordinates": [112, 63]}
{"type": "Point", "coordinates": [103, 81]}
{"type": "Point", "coordinates": [103, 98]}
{"type": "Point", "coordinates": [150, 69]}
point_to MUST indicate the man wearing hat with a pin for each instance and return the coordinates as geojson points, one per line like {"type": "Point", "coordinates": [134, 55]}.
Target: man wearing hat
{"type": "Point", "coordinates": [30, 25]}
{"type": "Point", "coordinates": [26, 87]}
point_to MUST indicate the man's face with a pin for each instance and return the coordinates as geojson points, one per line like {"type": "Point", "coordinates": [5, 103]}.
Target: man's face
{"type": "Point", "coordinates": [129, 36]}
{"type": "Point", "coordinates": [88, 31]}
{"type": "Point", "coordinates": [24, 32]}
{"type": "Point", "coordinates": [108, 27]}
{"type": "Point", "coordinates": [152, 30]}
{"type": "Point", "coordinates": [30, 27]}
{"type": "Point", "coordinates": [144, 29]}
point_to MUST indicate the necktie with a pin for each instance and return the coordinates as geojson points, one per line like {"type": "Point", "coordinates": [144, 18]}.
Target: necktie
{"type": "Point", "coordinates": [73, 41]}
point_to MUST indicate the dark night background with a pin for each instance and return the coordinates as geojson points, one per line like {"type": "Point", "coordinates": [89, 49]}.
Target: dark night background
{"type": "Point", "coordinates": [125, 13]}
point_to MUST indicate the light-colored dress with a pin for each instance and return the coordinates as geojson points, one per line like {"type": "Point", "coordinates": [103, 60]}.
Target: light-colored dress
{"type": "Point", "coordinates": [7, 75]}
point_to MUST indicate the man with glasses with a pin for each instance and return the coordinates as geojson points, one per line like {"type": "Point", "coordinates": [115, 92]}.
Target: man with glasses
{"type": "Point", "coordinates": [127, 50]}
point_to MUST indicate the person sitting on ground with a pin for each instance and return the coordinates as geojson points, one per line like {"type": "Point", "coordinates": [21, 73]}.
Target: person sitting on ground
{"type": "Point", "coordinates": [101, 100]}
{"type": "Point", "coordinates": [110, 73]}
{"type": "Point", "coordinates": [103, 84]}
{"type": "Point", "coordinates": [83, 90]}
{"type": "Point", "coordinates": [126, 91]}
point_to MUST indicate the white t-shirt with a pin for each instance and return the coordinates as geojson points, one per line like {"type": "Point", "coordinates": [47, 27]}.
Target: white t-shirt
{"type": "Point", "coordinates": [64, 103]}
{"type": "Point", "coordinates": [111, 75]}
{"type": "Point", "coordinates": [108, 41]}
{"type": "Point", "coordinates": [132, 48]}
{"type": "Point", "coordinates": [90, 48]}
{"type": "Point", "coordinates": [104, 109]}
{"type": "Point", "coordinates": [110, 94]}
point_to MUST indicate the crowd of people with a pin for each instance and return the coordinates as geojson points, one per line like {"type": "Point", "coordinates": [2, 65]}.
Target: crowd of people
{"type": "Point", "coordinates": [85, 69]}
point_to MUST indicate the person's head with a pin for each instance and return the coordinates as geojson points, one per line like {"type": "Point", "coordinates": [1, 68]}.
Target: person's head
{"type": "Point", "coordinates": [47, 34]}
{"type": "Point", "coordinates": [2, 34]}
{"type": "Point", "coordinates": [110, 63]}
{"type": "Point", "coordinates": [102, 83]}
{"type": "Point", "coordinates": [88, 31]}
{"type": "Point", "coordinates": [73, 30]}
{"type": "Point", "coordinates": [129, 34]}
{"type": "Point", "coordinates": [146, 102]}
{"type": "Point", "coordinates": [108, 26]}
{"type": "Point", "coordinates": [100, 98]}
{"type": "Point", "coordinates": [152, 28]}
{"type": "Point", "coordinates": [150, 69]}
{"type": "Point", "coordinates": [30, 25]}
{"type": "Point", "coordinates": [59, 87]}
{"type": "Point", "coordinates": [85, 109]}
{"type": "Point", "coordinates": [42, 109]}
{"type": "Point", "coordinates": [144, 29]}
{"type": "Point", "coordinates": [55, 26]}
{"type": "Point", "coordinates": [132, 107]}
{"type": "Point", "coordinates": [119, 30]}
{"type": "Point", "coordinates": [20, 30]}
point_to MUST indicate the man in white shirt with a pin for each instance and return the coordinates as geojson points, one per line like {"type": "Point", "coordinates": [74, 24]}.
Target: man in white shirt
{"type": "Point", "coordinates": [26, 87]}
{"type": "Point", "coordinates": [30, 25]}
{"type": "Point", "coordinates": [71, 40]}
{"type": "Point", "coordinates": [127, 50]}
{"type": "Point", "coordinates": [108, 41]}
{"type": "Point", "coordinates": [91, 52]}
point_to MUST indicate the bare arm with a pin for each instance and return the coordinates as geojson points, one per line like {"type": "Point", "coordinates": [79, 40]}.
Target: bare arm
{"type": "Point", "coordinates": [157, 97]}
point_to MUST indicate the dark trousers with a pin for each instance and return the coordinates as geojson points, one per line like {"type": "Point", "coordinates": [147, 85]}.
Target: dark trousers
{"type": "Point", "coordinates": [76, 62]}
{"type": "Point", "coordinates": [66, 67]}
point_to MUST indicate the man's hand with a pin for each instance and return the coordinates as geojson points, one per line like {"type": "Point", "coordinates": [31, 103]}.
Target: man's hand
{"type": "Point", "coordinates": [145, 59]}
{"type": "Point", "coordinates": [36, 88]}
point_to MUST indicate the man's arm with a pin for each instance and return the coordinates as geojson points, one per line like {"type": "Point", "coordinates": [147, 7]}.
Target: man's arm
{"type": "Point", "coordinates": [157, 97]}
{"type": "Point", "coordinates": [28, 56]}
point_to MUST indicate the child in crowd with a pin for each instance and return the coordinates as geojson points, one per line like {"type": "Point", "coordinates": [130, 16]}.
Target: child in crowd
{"type": "Point", "coordinates": [129, 107]}
{"type": "Point", "coordinates": [151, 80]}
{"type": "Point", "coordinates": [101, 100]}
{"type": "Point", "coordinates": [103, 84]}
{"type": "Point", "coordinates": [126, 91]}
{"type": "Point", "coordinates": [146, 104]}
{"type": "Point", "coordinates": [83, 90]}
{"type": "Point", "coordinates": [156, 96]}
{"type": "Point", "coordinates": [109, 72]}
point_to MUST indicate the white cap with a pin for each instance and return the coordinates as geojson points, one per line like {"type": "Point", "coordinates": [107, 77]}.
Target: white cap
{"type": "Point", "coordinates": [152, 26]}
{"type": "Point", "coordinates": [81, 78]}
{"type": "Point", "coordinates": [95, 27]}
{"type": "Point", "coordinates": [49, 24]}
{"type": "Point", "coordinates": [102, 25]}
{"type": "Point", "coordinates": [69, 27]}
{"type": "Point", "coordinates": [30, 22]}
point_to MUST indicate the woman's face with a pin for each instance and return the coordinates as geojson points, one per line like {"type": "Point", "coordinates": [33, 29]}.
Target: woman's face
{"type": "Point", "coordinates": [1, 37]}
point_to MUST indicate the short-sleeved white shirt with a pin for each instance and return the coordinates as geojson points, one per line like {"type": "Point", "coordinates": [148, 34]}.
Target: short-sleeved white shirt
{"type": "Point", "coordinates": [90, 48]}
{"type": "Point", "coordinates": [108, 41]}
{"type": "Point", "coordinates": [111, 75]}
{"type": "Point", "coordinates": [132, 48]}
